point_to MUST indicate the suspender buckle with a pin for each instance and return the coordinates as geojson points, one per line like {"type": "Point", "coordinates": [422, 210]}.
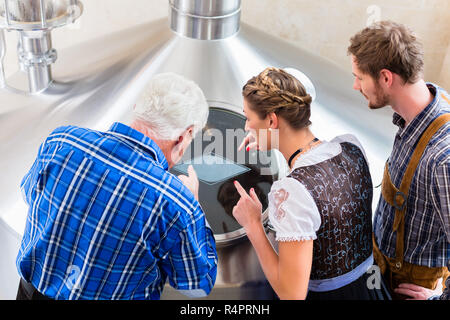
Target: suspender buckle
{"type": "Point", "coordinates": [399, 205]}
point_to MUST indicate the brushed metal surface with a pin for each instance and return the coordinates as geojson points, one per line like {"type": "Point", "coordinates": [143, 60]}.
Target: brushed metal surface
{"type": "Point", "coordinates": [239, 275]}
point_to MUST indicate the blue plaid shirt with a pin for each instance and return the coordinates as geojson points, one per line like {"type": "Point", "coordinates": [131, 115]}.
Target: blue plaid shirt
{"type": "Point", "coordinates": [427, 218]}
{"type": "Point", "coordinates": [107, 220]}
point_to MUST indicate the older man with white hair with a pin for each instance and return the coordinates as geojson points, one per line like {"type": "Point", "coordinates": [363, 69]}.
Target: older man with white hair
{"type": "Point", "coordinates": [106, 219]}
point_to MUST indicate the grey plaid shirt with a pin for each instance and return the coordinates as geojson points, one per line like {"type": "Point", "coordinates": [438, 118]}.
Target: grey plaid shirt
{"type": "Point", "coordinates": [427, 219]}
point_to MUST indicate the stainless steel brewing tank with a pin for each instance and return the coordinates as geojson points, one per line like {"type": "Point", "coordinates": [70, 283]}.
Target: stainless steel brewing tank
{"type": "Point", "coordinates": [218, 163]}
{"type": "Point", "coordinates": [100, 86]}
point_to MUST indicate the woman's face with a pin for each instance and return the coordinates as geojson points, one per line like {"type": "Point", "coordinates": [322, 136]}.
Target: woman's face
{"type": "Point", "coordinates": [258, 128]}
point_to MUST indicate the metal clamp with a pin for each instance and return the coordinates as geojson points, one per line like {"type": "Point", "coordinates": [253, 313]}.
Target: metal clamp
{"type": "Point", "coordinates": [29, 59]}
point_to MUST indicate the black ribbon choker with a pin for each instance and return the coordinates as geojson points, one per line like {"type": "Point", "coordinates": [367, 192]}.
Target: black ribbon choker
{"type": "Point", "coordinates": [300, 150]}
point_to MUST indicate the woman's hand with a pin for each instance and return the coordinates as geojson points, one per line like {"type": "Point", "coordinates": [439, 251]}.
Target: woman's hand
{"type": "Point", "coordinates": [248, 210]}
{"type": "Point", "coordinates": [249, 141]}
{"type": "Point", "coordinates": [287, 273]}
{"type": "Point", "coordinates": [191, 181]}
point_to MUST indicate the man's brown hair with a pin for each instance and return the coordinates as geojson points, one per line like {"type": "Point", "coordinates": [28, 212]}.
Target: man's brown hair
{"type": "Point", "coordinates": [388, 45]}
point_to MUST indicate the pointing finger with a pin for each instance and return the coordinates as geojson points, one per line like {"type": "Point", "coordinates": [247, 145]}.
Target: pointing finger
{"type": "Point", "coordinates": [252, 145]}
{"type": "Point", "coordinates": [240, 189]}
{"type": "Point", "coordinates": [242, 145]}
{"type": "Point", "coordinates": [244, 142]}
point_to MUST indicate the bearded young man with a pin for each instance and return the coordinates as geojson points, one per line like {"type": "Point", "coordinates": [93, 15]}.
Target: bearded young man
{"type": "Point", "coordinates": [412, 220]}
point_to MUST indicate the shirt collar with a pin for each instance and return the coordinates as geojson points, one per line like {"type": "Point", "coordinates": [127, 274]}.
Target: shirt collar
{"type": "Point", "coordinates": [142, 140]}
{"type": "Point", "coordinates": [410, 133]}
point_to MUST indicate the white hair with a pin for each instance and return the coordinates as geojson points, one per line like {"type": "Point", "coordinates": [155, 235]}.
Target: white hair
{"type": "Point", "coordinates": [169, 104]}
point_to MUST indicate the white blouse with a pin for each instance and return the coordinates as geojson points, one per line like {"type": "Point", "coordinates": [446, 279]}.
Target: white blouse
{"type": "Point", "coordinates": [292, 211]}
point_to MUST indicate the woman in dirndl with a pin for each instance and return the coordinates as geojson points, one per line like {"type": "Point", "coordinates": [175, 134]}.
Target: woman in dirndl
{"type": "Point", "coordinates": [321, 211]}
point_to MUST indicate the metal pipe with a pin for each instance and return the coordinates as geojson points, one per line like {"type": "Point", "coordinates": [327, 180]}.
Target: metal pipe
{"type": "Point", "coordinates": [8, 22]}
{"type": "Point", "coordinates": [2, 57]}
{"type": "Point", "coordinates": [43, 15]}
{"type": "Point", "coordinates": [205, 19]}
{"type": "Point", "coordinates": [36, 56]}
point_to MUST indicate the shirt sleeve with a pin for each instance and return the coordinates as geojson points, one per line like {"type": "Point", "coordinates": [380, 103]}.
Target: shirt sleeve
{"type": "Point", "coordinates": [441, 181]}
{"type": "Point", "coordinates": [292, 211]}
{"type": "Point", "coordinates": [192, 263]}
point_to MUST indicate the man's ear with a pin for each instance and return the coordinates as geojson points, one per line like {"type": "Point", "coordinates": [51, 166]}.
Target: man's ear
{"type": "Point", "coordinates": [179, 140]}
{"type": "Point", "coordinates": [184, 139]}
{"type": "Point", "coordinates": [176, 147]}
{"type": "Point", "coordinates": [180, 144]}
{"type": "Point", "coordinates": [184, 135]}
{"type": "Point", "coordinates": [190, 131]}
{"type": "Point", "coordinates": [386, 78]}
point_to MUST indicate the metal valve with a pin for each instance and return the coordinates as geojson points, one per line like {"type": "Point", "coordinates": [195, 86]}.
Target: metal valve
{"type": "Point", "coordinates": [34, 20]}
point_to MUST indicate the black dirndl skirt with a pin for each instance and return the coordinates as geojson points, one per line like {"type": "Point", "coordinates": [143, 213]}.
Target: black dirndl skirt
{"type": "Point", "coordinates": [360, 289]}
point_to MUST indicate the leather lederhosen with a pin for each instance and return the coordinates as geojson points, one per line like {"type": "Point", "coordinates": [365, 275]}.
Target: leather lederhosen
{"type": "Point", "coordinates": [396, 270]}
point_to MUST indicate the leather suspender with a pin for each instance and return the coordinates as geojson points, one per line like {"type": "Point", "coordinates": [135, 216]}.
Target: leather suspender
{"type": "Point", "coordinates": [397, 197]}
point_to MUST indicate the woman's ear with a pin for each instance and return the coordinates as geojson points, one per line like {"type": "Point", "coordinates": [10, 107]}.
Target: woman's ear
{"type": "Point", "coordinates": [273, 120]}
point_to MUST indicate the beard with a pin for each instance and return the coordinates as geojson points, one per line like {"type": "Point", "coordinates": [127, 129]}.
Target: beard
{"type": "Point", "coordinates": [381, 99]}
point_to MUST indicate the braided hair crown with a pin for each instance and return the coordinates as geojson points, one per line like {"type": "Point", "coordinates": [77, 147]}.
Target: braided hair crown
{"type": "Point", "coordinates": [275, 90]}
